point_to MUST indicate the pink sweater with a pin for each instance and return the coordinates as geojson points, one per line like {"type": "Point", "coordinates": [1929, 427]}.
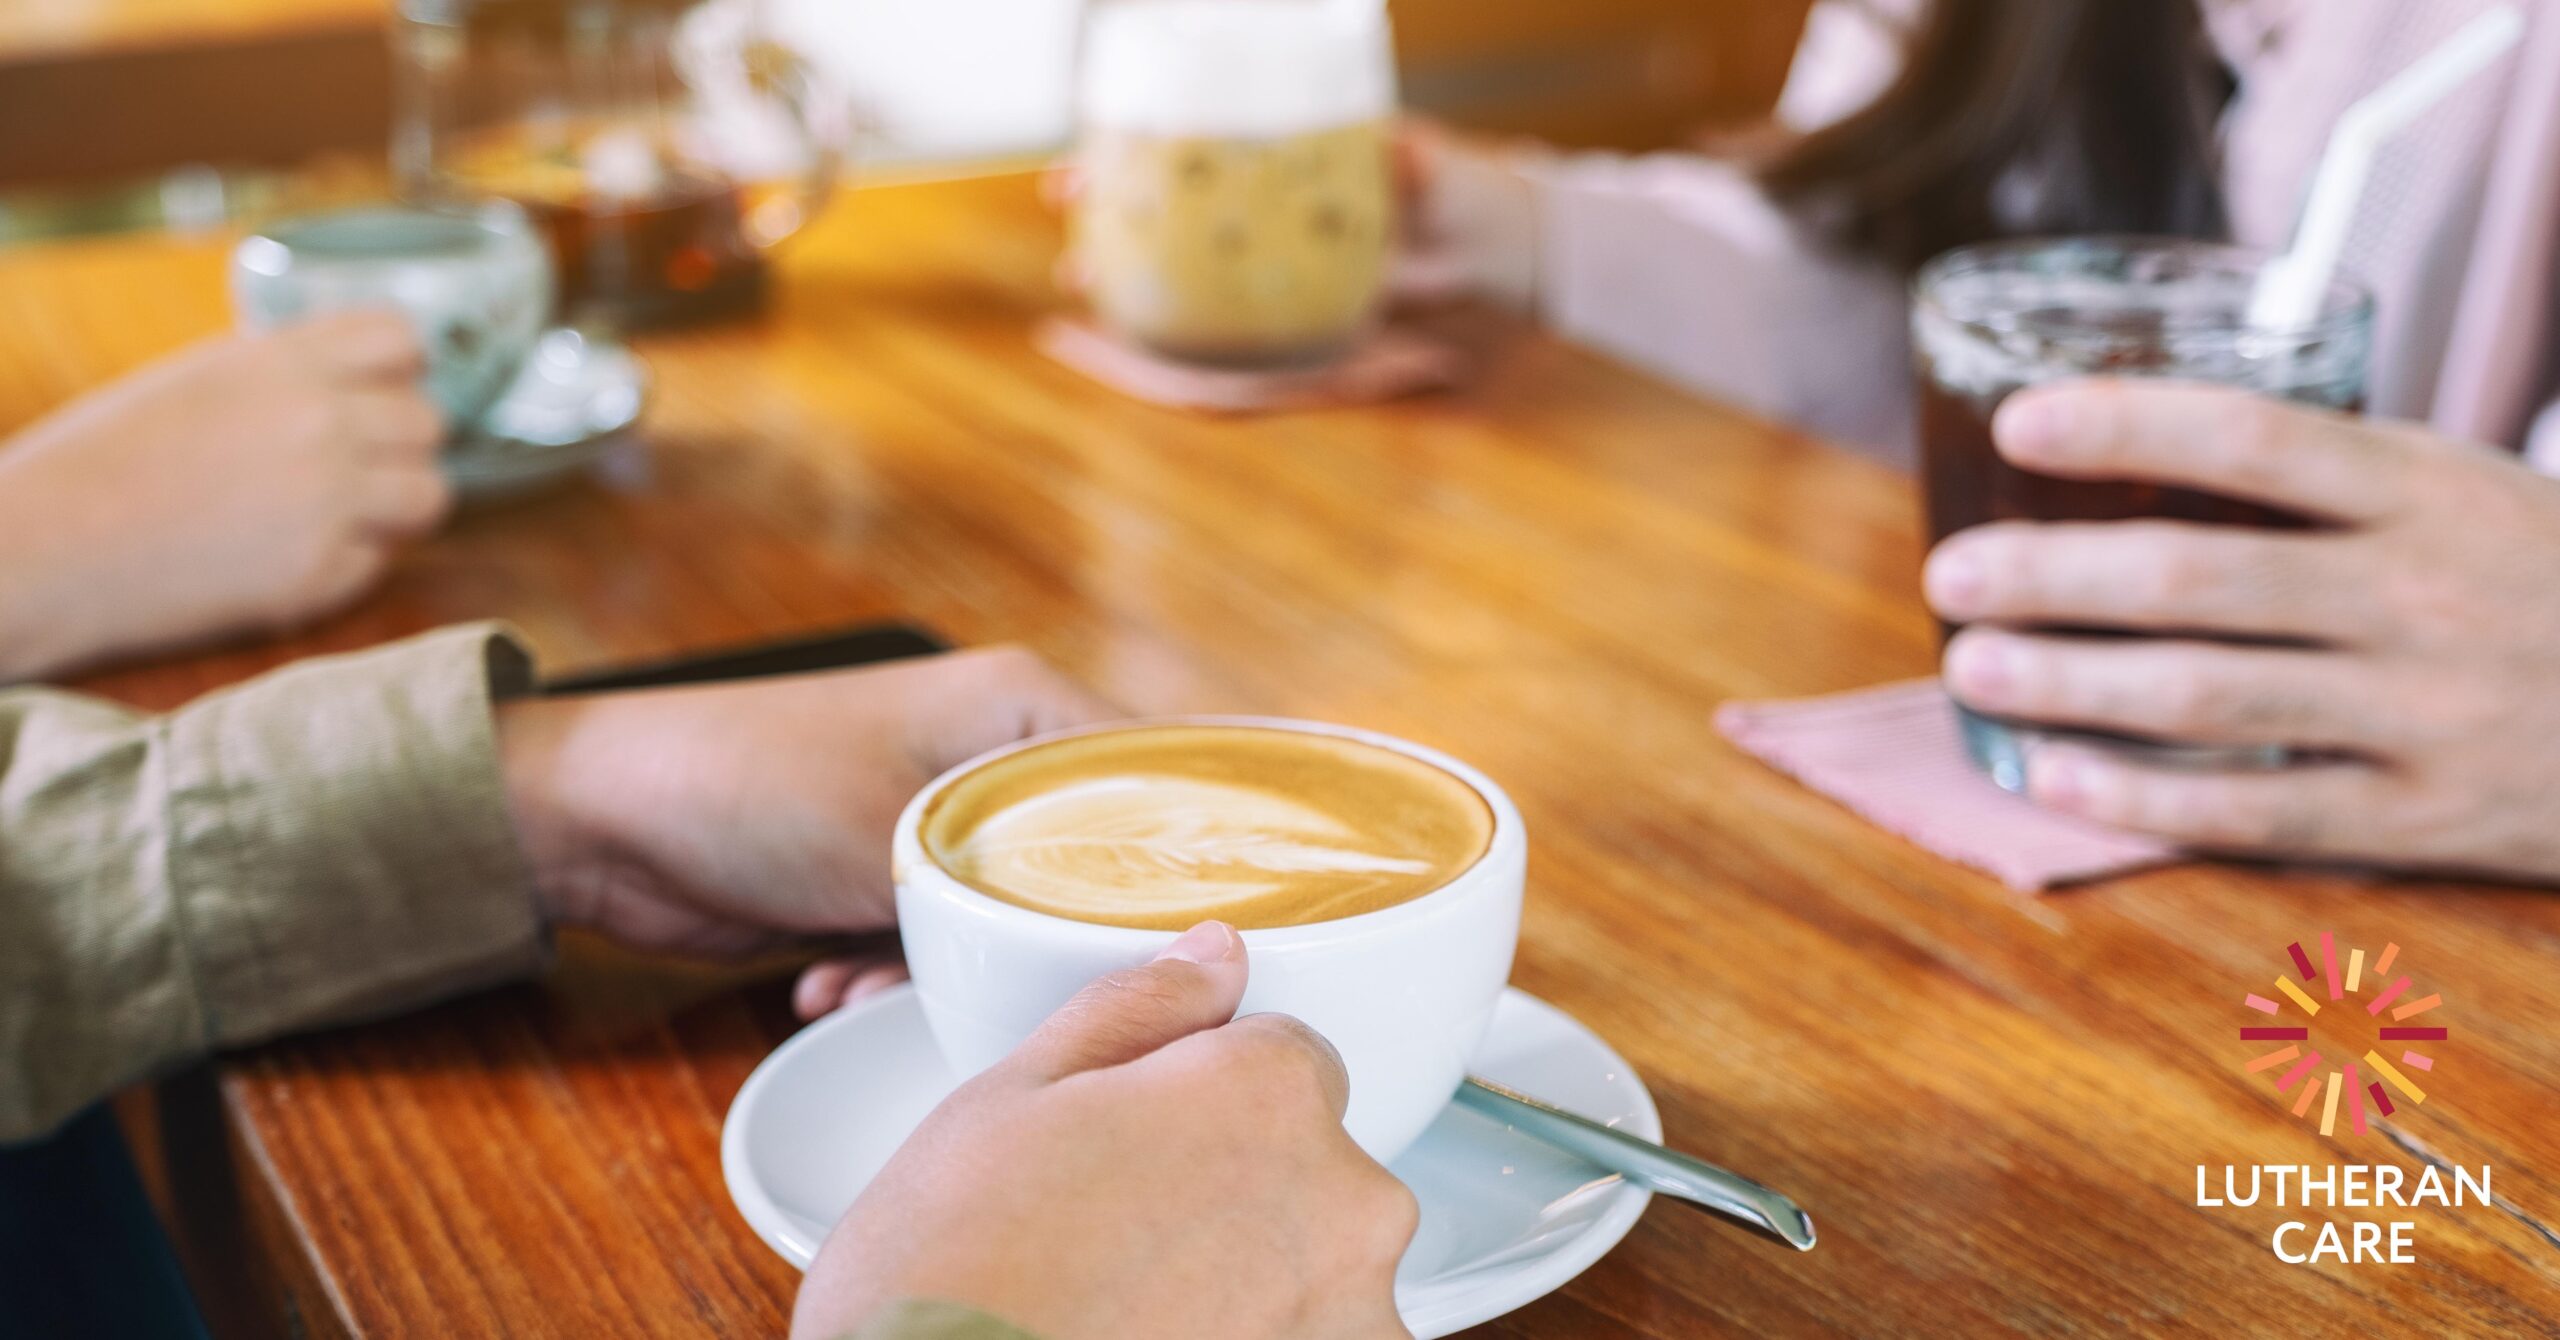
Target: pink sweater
{"type": "Point", "coordinates": [1677, 263]}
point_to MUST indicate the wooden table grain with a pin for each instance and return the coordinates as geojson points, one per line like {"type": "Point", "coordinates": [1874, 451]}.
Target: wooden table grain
{"type": "Point", "coordinates": [96, 91]}
{"type": "Point", "coordinates": [1994, 1106]}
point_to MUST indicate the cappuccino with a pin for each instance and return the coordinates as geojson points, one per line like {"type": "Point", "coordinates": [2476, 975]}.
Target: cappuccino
{"type": "Point", "coordinates": [1027, 873]}
{"type": "Point", "coordinates": [1160, 827]}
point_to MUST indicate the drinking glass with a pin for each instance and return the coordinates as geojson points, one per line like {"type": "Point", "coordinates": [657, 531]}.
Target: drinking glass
{"type": "Point", "coordinates": [1989, 320]}
{"type": "Point", "coordinates": [664, 147]}
{"type": "Point", "coordinates": [1237, 204]}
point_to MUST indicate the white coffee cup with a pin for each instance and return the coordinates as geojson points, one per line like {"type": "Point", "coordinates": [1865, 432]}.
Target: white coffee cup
{"type": "Point", "coordinates": [1404, 993]}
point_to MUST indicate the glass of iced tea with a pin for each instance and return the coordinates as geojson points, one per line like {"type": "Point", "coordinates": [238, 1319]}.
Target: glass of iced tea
{"type": "Point", "coordinates": [1992, 319]}
{"type": "Point", "coordinates": [663, 147]}
{"type": "Point", "coordinates": [1236, 203]}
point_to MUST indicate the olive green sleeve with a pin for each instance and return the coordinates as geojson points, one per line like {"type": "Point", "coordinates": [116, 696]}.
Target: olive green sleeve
{"type": "Point", "coordinates": [325, 843]}
{"type": "Point", "coordinates": [932, 1319]}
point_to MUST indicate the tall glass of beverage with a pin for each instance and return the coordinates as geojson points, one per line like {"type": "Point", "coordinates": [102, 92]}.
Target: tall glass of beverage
{"type": "Point", "coordinates": [1236, 204]}
{"type": "Point", "coordinates": [1993, 319]}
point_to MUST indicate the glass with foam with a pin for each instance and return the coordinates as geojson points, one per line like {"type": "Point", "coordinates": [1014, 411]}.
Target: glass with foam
{"type": "Point", "coordinates": [1403, 982]}
{"type": "Point", "coordinates": [1237, 201]}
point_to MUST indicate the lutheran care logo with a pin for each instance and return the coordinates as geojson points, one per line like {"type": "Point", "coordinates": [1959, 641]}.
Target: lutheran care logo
{"type": "Point", "coordinates": [2321, 1002]}
{"type": "Point", "coordinates": [2354, 1082]}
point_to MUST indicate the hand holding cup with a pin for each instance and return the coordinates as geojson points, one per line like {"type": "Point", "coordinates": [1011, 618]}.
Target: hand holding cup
{"type": "Point", "coordinates": [249, 483]}
{"type": "Point", "coordinates": [2405, 648]}
{"type": "Point", "coordinates": [738, 817]}
{"type": "Point", "coordinates": [1145, 1164]}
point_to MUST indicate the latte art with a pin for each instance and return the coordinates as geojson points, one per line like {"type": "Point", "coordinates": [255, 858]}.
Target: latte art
{"type": "Point", "coordinates": [1167, 826]}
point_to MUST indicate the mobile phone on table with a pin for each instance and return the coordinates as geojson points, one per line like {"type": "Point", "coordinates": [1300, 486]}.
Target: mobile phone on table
{"type": "Point", "coordinates": [867, 645]}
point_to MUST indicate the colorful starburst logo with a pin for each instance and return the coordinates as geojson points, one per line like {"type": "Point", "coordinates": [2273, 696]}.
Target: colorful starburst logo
{"type": "Point", "coordinates": [2358, 1080]}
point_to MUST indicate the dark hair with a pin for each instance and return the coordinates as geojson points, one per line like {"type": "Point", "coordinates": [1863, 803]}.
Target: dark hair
{"type": "Point", "coordinates": [2017, 117]}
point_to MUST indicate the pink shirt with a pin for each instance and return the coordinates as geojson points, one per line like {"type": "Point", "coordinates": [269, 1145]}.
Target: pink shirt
{"type": "Point", "coordinates": [1679, 264]}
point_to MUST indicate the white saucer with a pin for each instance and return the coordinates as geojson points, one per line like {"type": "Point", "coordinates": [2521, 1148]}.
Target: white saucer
{"type": "Point", "coordinates": [1505, 1220]}
{"type": "Point", "coordinates": [575, 395]}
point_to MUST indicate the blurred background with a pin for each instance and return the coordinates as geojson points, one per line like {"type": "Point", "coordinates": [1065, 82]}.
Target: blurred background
{"type": "Point", "coordinates": [119, 114]}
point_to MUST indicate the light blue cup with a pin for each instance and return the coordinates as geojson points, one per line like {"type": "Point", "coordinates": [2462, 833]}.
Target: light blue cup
{"type": "Point", "coordinates": [476, 283]}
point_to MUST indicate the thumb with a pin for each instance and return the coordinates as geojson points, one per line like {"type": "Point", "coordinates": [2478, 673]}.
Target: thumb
{"type": "Point", "coordinates": [1193, 985]}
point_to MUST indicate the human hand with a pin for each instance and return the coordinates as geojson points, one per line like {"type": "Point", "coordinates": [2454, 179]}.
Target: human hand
{"type": "Point", "coordinates": [1466, 216]}
{"type": "Point", "coordinates": [248, 483]}
{"type": "Point", "coordinates": [1140, 1167]}
{"type": "Point", "coordinates": [2411, 643]}
{"type": "Point", "coordinates": [727, 818]}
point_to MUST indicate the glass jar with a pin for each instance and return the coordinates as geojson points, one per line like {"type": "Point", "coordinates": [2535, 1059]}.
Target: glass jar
{"type": "Point", "coordinates": [663, 147]}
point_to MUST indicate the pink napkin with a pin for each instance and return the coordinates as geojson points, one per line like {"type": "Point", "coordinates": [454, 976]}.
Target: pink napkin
{"type": "Point", "coordinates": [1892, 755]}
{"type": "Point", "coordinates": [1392, 363]}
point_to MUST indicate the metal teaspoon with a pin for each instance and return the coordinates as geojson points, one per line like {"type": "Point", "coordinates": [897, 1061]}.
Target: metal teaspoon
{"type": "Point", "coordinates": [1736, 1197]}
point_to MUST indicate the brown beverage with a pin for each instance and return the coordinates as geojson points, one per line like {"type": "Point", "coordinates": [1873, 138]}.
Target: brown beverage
{"type": "Point", "coordinates": [1968, 483]}
{"type": "Point", "coordinates": [1162, 827]}
{"type": "Point", "coordinates": [677, 250]}
{"type": "Point", "coordinates": [1994, 319]}
{"type": "Point", "coordinates": [617, 126]}
{"type": "Point", "coordinates": [674, 256]}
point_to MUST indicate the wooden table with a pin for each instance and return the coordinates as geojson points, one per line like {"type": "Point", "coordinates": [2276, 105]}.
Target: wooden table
{"type": "Point", "coordinates": [96, 90]}
{"type": "Point", "coordinates": [1994, 1106]}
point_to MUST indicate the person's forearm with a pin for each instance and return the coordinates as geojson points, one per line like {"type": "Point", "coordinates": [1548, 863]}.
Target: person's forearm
{"type": "Point", "coordinates": [30, 645]}
{"type": "Point", "coordinates": [329, 842]}
{"type": "Point", "coordinates": [44, 631]}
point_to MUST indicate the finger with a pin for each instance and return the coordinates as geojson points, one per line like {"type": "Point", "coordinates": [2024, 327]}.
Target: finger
{"type": "Point", "coordinates": [369, 343]}
{"type": "Point", "coordinates": [1395, 1215]}
{"type": "Point", "coordinates": [1071, 273]}
{"type": "Point", "coordinates": [1052, 702]}
{"type": "Point", "coordinates": [831, 984]}
{"type": "Point", "coordinates": [397, 422]}
{"type": "Point", "coordinates": [1193, 985]}
{"type": "Point", "coordinates": [2191, 692]}
{"type": "Point", "coordinates": [1062, 184]}
{"type": "Point", "coordinates": [1416, 153]}
{"type": "Point", "coordinates": [2156, 575]}
{"type": "Point", "coordinates": [872, 981]}
{"type": "Point", "coordinates": [2215, 438]}
{"type": "Point", "coordinates": [821, 986]}
{"type": "Point", "coordinates": [989, 697]}
{"type": "Point", "coordinates": [1298, 1050]}
{"type": "Point", "coordinates": [1381, 1215]}
{"type": "Point", "coordinates": [404, 502]}
{"type": "Point", "coordinates": [2322, 809]}
{"type": "Point", "coordinates": [349, 570]}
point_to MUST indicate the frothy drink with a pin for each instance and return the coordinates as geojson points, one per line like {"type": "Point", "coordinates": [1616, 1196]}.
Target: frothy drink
{"type": "Point", "coordinates": [1162, 827]}
{"type": "Point", "coordinates": [1236, 203]}
{"type": "Point", "coordinates": [1378, 885]}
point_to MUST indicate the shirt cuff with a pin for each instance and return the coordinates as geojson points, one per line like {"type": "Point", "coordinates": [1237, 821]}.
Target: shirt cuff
{"type": "Point", "coordinates": [339, 839]}
{"type": "Point", "coordinates": [933, 1319]}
